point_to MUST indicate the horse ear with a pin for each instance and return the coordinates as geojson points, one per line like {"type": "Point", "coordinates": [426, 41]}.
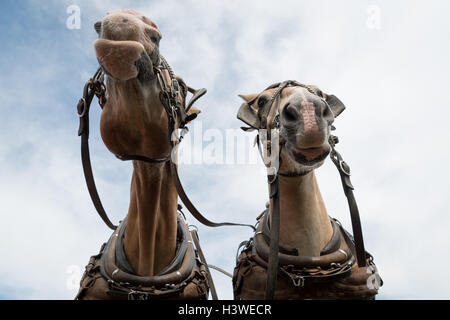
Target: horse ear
{"type": "Point", "coordinates": [335, 104]}
{"type": "Point", "coordinates": [248, 97]}
{"type": "Point", "coordinates": [247, 113]}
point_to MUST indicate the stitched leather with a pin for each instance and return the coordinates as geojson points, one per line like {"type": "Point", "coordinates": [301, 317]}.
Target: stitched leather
{"type": "Point", "coordinates": [331, 246]}
{"type": "Point", "coordinates": [331, 276]}
{"type": "Point", "coordinates": [180, 251]}
{"type": "Point", "coordinates": [263, 250]}
{"type": "Point", "coordinates": [110, 269]}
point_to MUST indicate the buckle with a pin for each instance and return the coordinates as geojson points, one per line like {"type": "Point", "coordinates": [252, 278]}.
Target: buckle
{"type": "Point", "coordinates": [175, 88]}
{"type": "Point", "coordinates": [276, 121]}
{"type": "Point", "coordinates": [335, 265]}
{"type": "Point", "coordinates": [298, 281]}
{"type": "Point", "coordinates": [344, 167]}
{"type": "Point", "coordinates": [137, 295]}
{"type": "Point", "coordinates": [183, 132]}
{"type": "Point", "coordinates": [81, 107]}
{"type": "Point", "coordinates": [271, 178]}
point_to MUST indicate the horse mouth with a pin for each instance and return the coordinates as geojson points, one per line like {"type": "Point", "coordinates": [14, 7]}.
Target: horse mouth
{"type": "Point", "coordinates": [309, 156]}
{"type": "Point", "coordinates": [123, 60]}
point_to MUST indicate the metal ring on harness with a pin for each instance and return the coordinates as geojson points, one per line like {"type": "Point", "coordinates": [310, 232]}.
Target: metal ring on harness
{"type": "Point", "coordinates": [82, 102]}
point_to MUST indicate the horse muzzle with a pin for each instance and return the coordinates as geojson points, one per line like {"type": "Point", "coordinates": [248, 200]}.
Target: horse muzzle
{"type": "Point", "coordinates": [123, 60]}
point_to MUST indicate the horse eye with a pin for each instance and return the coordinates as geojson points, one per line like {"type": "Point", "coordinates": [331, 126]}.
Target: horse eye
{"type": "Point", "coordinates": [98, 26]}
{"type": "Point", "coordinates": [261, 102]}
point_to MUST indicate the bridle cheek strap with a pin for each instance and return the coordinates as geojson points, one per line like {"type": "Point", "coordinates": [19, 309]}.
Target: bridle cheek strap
{"type": "Point", "coordinates": [93, 87]}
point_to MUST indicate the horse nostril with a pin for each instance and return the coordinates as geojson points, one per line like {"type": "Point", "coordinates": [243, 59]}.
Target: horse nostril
{"type": "Point", "coordinates": [327, 114]}
{"type": "Point", "coordinates": [290, 113]}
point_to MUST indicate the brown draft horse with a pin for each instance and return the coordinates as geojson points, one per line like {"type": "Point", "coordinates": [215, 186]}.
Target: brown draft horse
{"type": "Point", "coordinates": [316, 255]}
{"type": "Point", "coordinates": [151, 254]}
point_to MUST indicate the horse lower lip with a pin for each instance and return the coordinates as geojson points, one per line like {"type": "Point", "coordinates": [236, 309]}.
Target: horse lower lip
{"type": "Point", "coordinates": [312, 153]}
{"type": "Point", "coordinates": [119, 57]}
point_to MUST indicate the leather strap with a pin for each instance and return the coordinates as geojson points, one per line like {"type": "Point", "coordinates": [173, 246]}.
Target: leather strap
{"type": "Point", "coordinates": [91, 88]}
{"type": "Point", "coordinates": [196, 94]}
{"type": "Point", "coordinates": [205, 264]}
{"type": "Point", "coordinates": [268, 116]}
{"type": "Point", "coordinates": [332, 245]}
{"type": "Point", "coordinates": [111, 271]}
{"type": "Point", "coordinates": [90, 182]}
{"type": "Point", "coordinates": [142, 158]}
{"type": "Point", "coordinates": [192, 209]}
{"type": "Point", "coordinates": [272, 269]}
{"type": "Point", "coordinates": [344, 172]}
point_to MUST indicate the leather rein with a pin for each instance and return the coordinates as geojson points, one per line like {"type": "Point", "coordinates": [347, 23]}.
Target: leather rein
{"type": "Point", "coordinates": [175, 109]}
{"type": "Point", "coordinates": [269, 119]}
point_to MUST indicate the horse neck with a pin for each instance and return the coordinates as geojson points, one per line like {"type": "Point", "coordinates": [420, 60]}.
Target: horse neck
{"type": "Point", "coordinates": [151, 231]}
{"type": "Point", "coordinates": [304, 222]}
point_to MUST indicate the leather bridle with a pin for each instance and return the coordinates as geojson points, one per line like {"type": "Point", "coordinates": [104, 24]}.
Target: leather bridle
{"type": "Point", "coordinates": [268, 120]}
{"type": "Point", "coordinates": [176, 110]}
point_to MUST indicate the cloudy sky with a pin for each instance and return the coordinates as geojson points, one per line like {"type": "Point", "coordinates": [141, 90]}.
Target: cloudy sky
{"type": "Point", "coordinates": [387, 62]}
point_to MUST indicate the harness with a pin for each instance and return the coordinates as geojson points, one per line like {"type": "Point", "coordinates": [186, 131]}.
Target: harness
{"type": "Point", "coordinates": [170, 281]}
{"type": "Point", "coordinates": [186, 276]}
{"type": "Point", "coordinates": [334, 274]}
{"type": "Point", "coordinates": [267, 118]}
{"type": "Point", "coordinates": [173, 95]}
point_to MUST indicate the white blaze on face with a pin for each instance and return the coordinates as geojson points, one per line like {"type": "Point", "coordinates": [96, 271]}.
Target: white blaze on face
{"type": "Point", "coordinates": [308, 112]}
